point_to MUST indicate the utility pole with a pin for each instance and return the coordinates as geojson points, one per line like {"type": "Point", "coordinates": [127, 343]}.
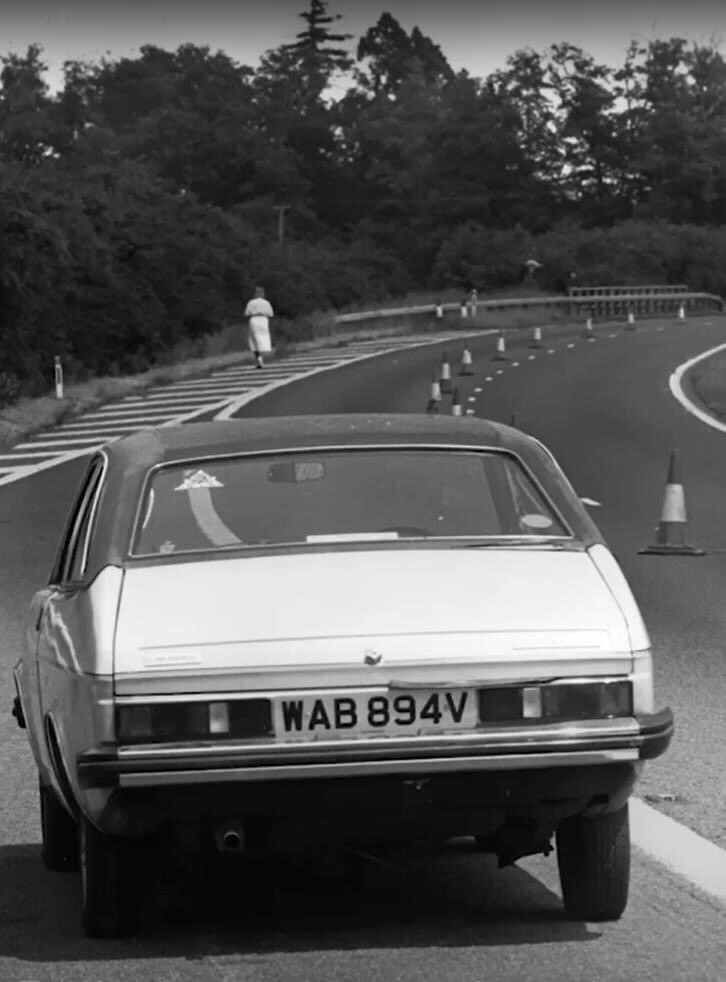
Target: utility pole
{"type": "Point", "coordinates": [281, 209]}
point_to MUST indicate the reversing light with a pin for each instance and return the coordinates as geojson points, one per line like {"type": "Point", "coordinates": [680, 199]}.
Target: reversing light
{"type": "Point", "coordinates": [218, 717]}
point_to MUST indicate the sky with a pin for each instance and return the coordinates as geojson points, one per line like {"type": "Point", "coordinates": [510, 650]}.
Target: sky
{"type": "Point", "coordinates": [476, 35]}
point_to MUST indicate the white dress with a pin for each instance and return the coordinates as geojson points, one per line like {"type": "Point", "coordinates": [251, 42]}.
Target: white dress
{"type": "Point", "coordinates": [259, 312]}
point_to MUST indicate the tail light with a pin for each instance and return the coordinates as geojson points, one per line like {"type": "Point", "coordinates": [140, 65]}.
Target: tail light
{"type": "Point", "coordinates": [175, 722]}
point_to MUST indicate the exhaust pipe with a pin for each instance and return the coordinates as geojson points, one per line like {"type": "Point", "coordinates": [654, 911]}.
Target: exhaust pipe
{"type": "Point", "coordinates": [230, 836]}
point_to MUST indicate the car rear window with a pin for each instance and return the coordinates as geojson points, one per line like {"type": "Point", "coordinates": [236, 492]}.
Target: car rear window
{"type": "Point", "coordinates": [313, 498]}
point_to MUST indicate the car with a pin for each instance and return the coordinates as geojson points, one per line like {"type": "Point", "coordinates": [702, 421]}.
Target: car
{"type": "Point", "coordinates": [335, 632]}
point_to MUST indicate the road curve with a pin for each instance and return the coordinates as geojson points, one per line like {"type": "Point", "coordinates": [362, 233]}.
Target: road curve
{"type": "Point", "coordinates": [606, 411]}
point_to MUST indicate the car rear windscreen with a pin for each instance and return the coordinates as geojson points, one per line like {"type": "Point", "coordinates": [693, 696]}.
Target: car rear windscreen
{"type": "Point", "coordinates": [317, 497]}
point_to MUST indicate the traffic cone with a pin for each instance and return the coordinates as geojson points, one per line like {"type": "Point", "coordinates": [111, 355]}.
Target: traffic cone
{"type": "Point", "coordinates": [501, 349]}
{"type": "Point", "coordinates": [587, 332]}
{"type": "Point", "coordinates": [467, 368]}
{"type": "Point", "coordinates": [670, 537]}
{"type": "Point", "coordinates": [445, 377]}
{"type": "Point", "coordinates": [537, 338]}
{"type": "Point", "coordinates": [630, 326]}
{"type": "Point", "coordinates": [681, 313]}
{"type": "Point", "coordinates": [434, 397]}
{"type": "Point", "coordinates": [456, 409]}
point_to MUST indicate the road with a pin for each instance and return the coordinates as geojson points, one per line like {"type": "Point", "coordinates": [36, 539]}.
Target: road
{"type": "Point", "coordinates": [605, 410]}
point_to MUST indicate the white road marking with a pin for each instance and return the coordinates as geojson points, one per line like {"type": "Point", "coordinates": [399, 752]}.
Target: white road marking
{"type": "Point", "coordinates": [471, 399]}
{"type": "Point", "coordinates": [515, 364]}
{"type": "Point", "coordinates": [591, 502]}
{"type": "Point", "coordinates": [478, 389]}
{"type": "Point", "coordinates": [229, 410]}
{"type": "Point", "coordinates": [61, 440]}
{"type": "Point", "coordinates": [469, 412]}
{"type": "Point", "coordinates": [531, 357]}
{"type": "Point", "coordinates": [682, 850]}
{"type": "Point", "coordinates": [500, 371]}
{"type": "Point", "coordinates": [150, 412]}
{"type": "Point", "coordinates": [550, 351]}
{"type": "Point", "coordinates": [163, 405]}
{"type": "Point", "coordinates": [676, 388]}
{"type": "Point", "coordinates": [570, 346]}
{"type": "Point", "coordinates": [488, 379]}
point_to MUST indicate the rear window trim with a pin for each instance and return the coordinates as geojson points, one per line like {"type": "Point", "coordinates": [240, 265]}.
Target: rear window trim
{"type": "Point", "coordinates": [197, 461]}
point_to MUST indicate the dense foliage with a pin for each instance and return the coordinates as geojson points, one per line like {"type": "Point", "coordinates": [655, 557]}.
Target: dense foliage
{"type": "Point", "coordinates": [141, 202]}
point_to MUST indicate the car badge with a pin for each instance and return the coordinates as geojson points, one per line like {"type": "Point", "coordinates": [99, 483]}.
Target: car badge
{"type": "Point", "coordinates": [371, 657]}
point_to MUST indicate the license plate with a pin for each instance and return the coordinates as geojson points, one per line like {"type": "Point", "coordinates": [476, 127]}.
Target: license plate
{"type": "Point", "coordinates": [384, 714]}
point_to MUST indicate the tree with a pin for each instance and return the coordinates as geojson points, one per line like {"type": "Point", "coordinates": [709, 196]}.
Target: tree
{"type": "Point", "coordinates": [27, 128]}
{"type": "Point", "coordinates": [393, 56]}
{"type": "Point", "coordinates": [315, 51]}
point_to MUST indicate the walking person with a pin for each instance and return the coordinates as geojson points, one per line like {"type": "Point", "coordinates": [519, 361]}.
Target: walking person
{"type": "Point", "coordinates": [258, 313]}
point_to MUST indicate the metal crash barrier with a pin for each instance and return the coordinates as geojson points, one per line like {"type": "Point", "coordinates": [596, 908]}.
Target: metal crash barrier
{"type": "Point", "coordinates": [597, 302]}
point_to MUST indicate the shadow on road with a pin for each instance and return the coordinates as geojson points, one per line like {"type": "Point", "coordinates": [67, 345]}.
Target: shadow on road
{"type": "Point", "coordinates": [454, 898]}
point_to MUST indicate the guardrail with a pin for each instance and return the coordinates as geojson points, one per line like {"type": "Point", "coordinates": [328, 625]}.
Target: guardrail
{"type": "Point", "coordinates": [587, 303]}
{"type": "Point", "coordinates": [607, 291]}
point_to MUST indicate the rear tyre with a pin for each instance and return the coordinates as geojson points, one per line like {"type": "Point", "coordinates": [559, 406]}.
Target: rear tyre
{"type": "Point", "coordinates": [59, 850]}
{"type": "Point", "coordinates": [593, 856]}
{"type": "Point", "coordinates": [110, 883]}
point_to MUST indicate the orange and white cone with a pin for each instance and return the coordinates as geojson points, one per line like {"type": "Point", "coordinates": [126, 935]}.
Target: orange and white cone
{"type": "Point", "coordinates": [434, 397]}
{"type": "Point", "coordinates": [445, 377]}
{"type": "Point", "coordinates": [501, 349]}
{"type": "Point", "coordinates": [630, 326]}
{"type": "Point", "coordinates": [681, 313]}
{"type": "Point", "coordinates": [467, 367]}
{"type": "Point", "coordinates": [536, 338]}
{"type": "Point", "coordinates": [587, 333]}
{"type": "Point", "coordinates": [456, 408]}
{"type": "Point", "coordinates": [670, 536]}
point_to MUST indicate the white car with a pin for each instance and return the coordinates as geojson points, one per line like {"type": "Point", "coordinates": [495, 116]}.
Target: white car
{"type": "Point", "coordinates": [334, 631]}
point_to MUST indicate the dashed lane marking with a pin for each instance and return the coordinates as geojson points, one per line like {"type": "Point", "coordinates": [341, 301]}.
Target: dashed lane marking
{"type": "Point", "coordinates": [233, 407]}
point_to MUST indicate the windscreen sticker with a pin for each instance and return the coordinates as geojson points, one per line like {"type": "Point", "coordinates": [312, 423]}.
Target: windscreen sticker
{"type": "Point", "coordinates": [199, 479]}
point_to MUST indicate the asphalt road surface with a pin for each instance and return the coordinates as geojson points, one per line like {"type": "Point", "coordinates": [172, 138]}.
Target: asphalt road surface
{"type": "Point", "coordinates": [605, 410]}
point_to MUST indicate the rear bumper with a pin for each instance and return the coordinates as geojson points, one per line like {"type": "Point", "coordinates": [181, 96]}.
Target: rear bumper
{"type": "Point", "coordinates": [587, 743]}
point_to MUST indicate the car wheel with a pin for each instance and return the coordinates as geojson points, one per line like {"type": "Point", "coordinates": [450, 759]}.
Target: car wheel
{"type": "Point", "coordinates": [593, 856]}
{"type": "Point", "coordinates": [110, 883]}
{"type": "Point", "coordinates": [60, 834]}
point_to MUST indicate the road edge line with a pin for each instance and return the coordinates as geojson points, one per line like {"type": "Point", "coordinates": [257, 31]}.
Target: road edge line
{"type": "Point", "coordinates": [247, 397]}
{"type": "Point", "coordinates": [679, 848]}
{"type": "Point", "coordinates": [676, 386]}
